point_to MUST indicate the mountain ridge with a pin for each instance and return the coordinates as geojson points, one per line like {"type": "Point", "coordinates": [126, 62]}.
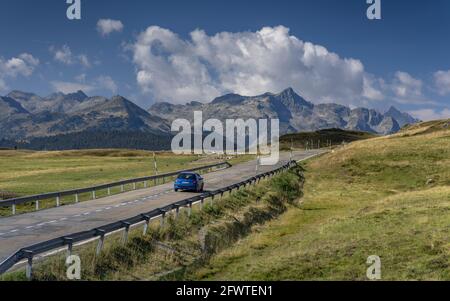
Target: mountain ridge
{"type": "Point", "coordinates": [25, 115]}
{"type": "Point", "coordinates": [295, 113]}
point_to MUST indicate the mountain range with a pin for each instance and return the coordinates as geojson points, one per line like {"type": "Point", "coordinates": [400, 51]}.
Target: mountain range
{"type": "Point", "coordinates": [294, 112]}
{"type": "Point", "coordinates": [27, 116]}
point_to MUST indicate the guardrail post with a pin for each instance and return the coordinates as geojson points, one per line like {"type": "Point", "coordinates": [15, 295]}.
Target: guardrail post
{"type": "Point", "coordinates": [164, 180]}
{"type": "Point", "coordinates": [202, 202]}
{"type": "Point", "coordinates": [29, 270]}
{"type": "Point", "coordinates": [37, 205]}
{"type": "Point", "coordinates": [58, 201]}
{"type": "Point", "coordinates": [93, 194]}
{"type": "Point", "coordinates": [125, 232]}
{"type": "Point", "coordinates": [163, 217]}
{"type": "Point", "coordinates": [146, 225]}
{"type": "Point", "coordinates": [122, 188]}
{"type": "Point", "coordinates": [77, 198]}
{"type": "Point", "coordinates": [69, 242]}
{"type": "Point", "coordinates": [212, 200]}
{"type": "Point", "coordinates": [109, 190]}
{"type": "Point", "coordinates": [177, 212]}
{"type": "Point", "coordinates": [134, 186]}
{"type": "Point", "coordinates": [13, 209]}
{"type": "Point", "coordinates": [101, 241]}
{"type": "Point", "coordinates": [190, 209]}
{"type": "Point", "coordinates": [145, 184]}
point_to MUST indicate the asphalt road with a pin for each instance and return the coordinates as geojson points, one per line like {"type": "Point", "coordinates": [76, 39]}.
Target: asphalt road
{"type": "Point", "coordinates": [19, 231]}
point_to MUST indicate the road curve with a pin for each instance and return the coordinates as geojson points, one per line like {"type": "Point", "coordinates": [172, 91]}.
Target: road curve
{"type": "Point", "coordinates": [19, 231]}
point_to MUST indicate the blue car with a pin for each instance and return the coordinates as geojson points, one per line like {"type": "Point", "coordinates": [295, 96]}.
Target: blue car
{"type": "Point", "coordinates": [190, 181]}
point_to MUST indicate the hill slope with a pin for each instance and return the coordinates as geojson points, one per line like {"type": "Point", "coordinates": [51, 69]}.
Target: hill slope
{"type": "Point", "coordinates": [387, 196]}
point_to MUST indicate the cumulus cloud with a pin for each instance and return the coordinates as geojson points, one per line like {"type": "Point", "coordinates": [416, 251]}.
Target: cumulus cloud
{"type": "Point", "coordinates": [22, 65]}
{"type": "Point", "coordinates": [430, 114]}
{"type": "Point", "coordinates": [406, 89]}
{"type": "Point", "coordinates": [65, 56]}
{"type": "Point", "coordinates": [442, 82]}
{"type": "Point", "coordinates": [107, 26]}
{"type": "Point", "coordinates": [249, 63]}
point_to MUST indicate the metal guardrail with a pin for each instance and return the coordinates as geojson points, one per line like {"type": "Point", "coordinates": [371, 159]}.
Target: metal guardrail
{"type": "Point", "coordinates": [76, 192]}
{"type": "Point", "coordinates": [28, 253]}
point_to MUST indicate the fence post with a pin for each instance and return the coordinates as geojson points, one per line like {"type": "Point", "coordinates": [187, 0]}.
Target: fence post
{"type": "Point", "coordinates": [101, 241]}
{"type": "Point", "coordinates": [125, 232]}
{"type": "Point", "coordinates": [29, 271]}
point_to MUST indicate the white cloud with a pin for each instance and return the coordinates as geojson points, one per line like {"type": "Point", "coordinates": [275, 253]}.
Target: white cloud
{"type": "Point", "coordinates": [107, 83]}
{"type": "Point", "coordinates": [3, 85]}
{"type": "Point", "coordinates": [65, 56]}
{"type": "Point", "coordinates": [107, 26]}
{"type": "Point", "coordinates": [442, 82]}
{"type": "Point", "coordinates": [98, 84]}
{"type": "Point", "coordinates": [430, 114]}
{"type": "Point", "coordinates": [406, 86]}
{"type": "Point", "coordinates": [248, 63]}
{"type": "Point", "coordinates": [71, 87]}
{"type": "Point", "coordinates": [22, 65]}
{"type": "Point", "coordinates": [84, 60]}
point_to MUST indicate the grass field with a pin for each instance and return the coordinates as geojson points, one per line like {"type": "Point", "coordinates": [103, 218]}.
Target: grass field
{"type": "Point", "coordinates": [388, 196]}
{"type": "Point", "coordinates": [27, 173]}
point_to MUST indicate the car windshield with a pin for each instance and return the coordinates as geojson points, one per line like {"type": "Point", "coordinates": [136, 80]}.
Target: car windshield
{"type": "Point", "coordinates": [186, 177]}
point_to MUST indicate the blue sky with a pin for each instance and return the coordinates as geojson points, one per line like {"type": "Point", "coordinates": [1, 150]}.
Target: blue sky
{"type": "Point", "coordinates": [180, 51]}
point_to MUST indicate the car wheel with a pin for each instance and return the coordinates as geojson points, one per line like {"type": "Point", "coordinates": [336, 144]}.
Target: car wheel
{"type": "Point", "coordinates": [176, 190]}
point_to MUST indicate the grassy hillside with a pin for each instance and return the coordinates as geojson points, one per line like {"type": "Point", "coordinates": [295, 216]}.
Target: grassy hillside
{"type": "Point", "coordinates": [388, 196]}
{"type": "Point", "coordinates": [322, 138]}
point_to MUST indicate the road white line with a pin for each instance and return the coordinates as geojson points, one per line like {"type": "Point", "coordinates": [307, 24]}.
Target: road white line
{"type": "Point", "coordinates": [29, 227]}
{"type": "Point", "coordinates": [63, 219]}
{"type": "Point", "coordinates": [51, 222]}
{"type": "Point", "coordinates": [87, 213]}
{"type": "Point", "coordinates": [108, 208]}
{"type": "Point", "coordinates": [78, 215]}
{"type": "Point", "coordinates": [14, 231]}
{"type": "Point", "coordinates": [2, 234]}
